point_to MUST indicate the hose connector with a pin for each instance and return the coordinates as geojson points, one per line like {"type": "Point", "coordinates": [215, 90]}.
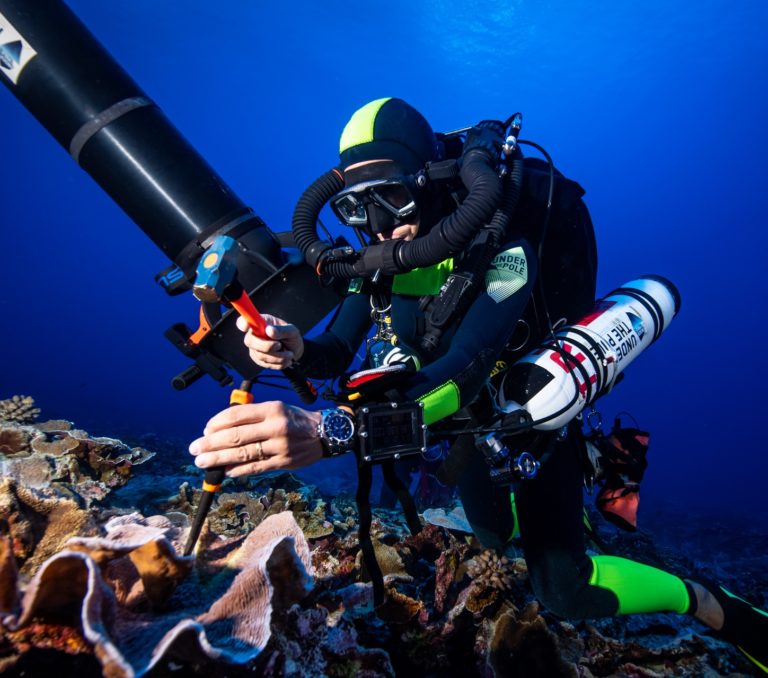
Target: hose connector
{"type": "Point", "coordinates": [510, 143]}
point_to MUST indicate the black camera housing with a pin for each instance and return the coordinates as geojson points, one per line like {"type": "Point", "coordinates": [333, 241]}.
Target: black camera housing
{"type": "Point", "coordinates": [390, 431]}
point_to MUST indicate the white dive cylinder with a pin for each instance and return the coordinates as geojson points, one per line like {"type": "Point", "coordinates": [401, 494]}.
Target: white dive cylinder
{"type": "Point", "coordinates": [556, 381]}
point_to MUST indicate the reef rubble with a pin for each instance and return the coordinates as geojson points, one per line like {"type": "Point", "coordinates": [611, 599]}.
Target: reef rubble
{"type": "Point", "coordinates": [92, 583]}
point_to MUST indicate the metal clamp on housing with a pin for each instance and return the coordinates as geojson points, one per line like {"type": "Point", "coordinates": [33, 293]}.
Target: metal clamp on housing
{"type": "Point", "coordinates": [391, 431]}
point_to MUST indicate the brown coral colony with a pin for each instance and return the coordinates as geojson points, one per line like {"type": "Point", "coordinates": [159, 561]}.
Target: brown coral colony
{"type": "Point", "coordinates": [19, 409]}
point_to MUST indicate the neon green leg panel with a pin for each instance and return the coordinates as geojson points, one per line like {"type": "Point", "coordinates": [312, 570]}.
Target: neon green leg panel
{"type": "Point", "coordinates": [516, 529]}
{"type": "Point", "coordinates": [639, 588]}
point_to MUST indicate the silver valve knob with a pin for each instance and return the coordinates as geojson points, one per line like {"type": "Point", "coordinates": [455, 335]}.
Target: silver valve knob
{"type": "Point", "coordinates": [495, 451]}
{"type": "Point", "coordinates": [526, 466]}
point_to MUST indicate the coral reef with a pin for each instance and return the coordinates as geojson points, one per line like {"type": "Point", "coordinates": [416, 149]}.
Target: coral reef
{"type": "Point", "coordinates": [521, 644]}
{"type": "Point", "coordinates": [39, 526]}
{"type": "Point", "coordinates": [54, 458]}
{"type": "Point", "coordinates": [239, 511]}
{"type": "Point", "coordinates": [139, 603]}
{"type": "Point", "coordinates": [19, 410]}
{"type": "Point", "coordinates": [13, 441]}
{"type": "Point", "coordinates": [277, 587]}
{"type": "Point", "coordinates": [489, 570]}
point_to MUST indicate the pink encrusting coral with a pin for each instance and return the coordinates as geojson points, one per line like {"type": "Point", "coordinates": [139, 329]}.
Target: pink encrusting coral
{"type": "Point", "coordinates": [140, 603]}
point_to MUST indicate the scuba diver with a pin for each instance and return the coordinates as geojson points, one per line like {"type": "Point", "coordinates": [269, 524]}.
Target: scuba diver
{"type": "Point", "coordinates": [468, 253]}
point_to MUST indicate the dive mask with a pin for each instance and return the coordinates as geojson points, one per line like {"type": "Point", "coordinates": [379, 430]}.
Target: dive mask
{"type": "Point", "coordinates": [377, 205]}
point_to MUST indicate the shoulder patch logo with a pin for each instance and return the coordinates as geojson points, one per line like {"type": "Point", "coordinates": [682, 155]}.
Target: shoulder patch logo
{"type": "Point", "coordinates": [507, 274]}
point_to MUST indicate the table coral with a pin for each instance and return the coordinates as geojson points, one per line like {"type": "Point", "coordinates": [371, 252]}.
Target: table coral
{"type": "Point", "coordinates": [226, 621]}
{"type": "Point", "coordinates": [455, 519]}
{"type": "Point", "coordinates": [67, 459]}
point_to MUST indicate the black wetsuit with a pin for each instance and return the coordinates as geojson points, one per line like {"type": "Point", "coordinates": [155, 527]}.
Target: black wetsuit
{"type": "Point", "coordinates": [468, 350]}
{"type": "Point", "coordinates": [550, 507]}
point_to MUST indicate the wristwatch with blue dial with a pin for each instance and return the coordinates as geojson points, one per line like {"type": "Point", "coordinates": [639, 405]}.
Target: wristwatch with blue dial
{"type": "Point", "coordinates": [336, 431]}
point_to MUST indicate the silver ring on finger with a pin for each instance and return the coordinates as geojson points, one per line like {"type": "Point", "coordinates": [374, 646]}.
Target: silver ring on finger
{"type": "Point", "coordinates": [260, 456]}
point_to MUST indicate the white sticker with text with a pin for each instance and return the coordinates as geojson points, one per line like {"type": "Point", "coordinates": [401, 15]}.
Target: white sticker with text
{"type": "Point", "coordinates": [15, 51]}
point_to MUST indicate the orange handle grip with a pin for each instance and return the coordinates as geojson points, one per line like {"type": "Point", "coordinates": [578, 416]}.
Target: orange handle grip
{"type": "Point", "coordinates": [303, 387]}
{"type": "Point", "coordinates": [244, 306]}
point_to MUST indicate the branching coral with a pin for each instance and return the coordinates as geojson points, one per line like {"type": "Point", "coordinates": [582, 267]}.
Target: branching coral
{"type": "Point", "coordinates": [19, 409]}
{"type": "Point", "coordinates": [489, 570]}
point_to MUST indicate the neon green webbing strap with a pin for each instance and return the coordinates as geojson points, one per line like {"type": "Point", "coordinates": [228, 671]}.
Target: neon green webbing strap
{"type": "Point", "coordinates": [421, 282]}
{"type": "Point", "coordinates": [359, 129]}
{"type": "Point", "coordinates": [440, 402]}
{"type": "Point", "coordinates": [639, 588]}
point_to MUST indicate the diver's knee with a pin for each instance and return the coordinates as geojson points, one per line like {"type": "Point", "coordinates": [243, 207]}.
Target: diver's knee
{"type": "Point", "coordinates": [560, 584]}
{"type": "Point", "coordinates": [560, 600]}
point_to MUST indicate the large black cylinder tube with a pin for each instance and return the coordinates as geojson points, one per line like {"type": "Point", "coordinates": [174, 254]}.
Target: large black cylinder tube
{"type": "Point", "coordinates": [117, 134]}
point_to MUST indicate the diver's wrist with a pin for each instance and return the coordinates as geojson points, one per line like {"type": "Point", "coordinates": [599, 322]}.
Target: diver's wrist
{"type": "Point", "coordinates": [337, 431]}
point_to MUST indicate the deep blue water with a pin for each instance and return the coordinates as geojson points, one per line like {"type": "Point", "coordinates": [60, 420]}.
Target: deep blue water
{"type": "Point", "coordinates": [658, 109]}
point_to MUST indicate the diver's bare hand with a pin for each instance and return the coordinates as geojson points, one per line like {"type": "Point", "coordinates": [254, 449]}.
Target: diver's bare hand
{"type": "Point", "coordinates": [284, 346]}
{"type": "Point", "coordinates": [259, 437]}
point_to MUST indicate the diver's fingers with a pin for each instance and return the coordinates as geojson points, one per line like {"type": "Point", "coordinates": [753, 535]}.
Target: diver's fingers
{"type": "Point", "coordinates": [229, 438]}
{"type": "Point", "coordinates": [276, 332]}
{"type": "Point", "coordinates": [261, 345]}
{"type": "Point", "coordinates": [285, 332]}
{"type": "Point", "coordinates": [243, 326]}
{"type": "Point", "coordinates": [273, 361]}
{"type": "Point", "coordinates": [258, 421]}
{"type": "Point", "coordinates": [232, 456]}
{"type": "Point", "coordinates": [281, 339]}
{"type": "Point", "coordinates": [273, 319]}
{"type": "Point", "coordinates": [302, 453]}
{"type": "Point", "coordinates": [244, 414]}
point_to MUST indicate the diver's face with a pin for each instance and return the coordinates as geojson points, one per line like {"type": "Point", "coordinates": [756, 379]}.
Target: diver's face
{"type": "Point", "coordinates": [405, 231]}
{"type": "Point", "coordinates": [402, 232]}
